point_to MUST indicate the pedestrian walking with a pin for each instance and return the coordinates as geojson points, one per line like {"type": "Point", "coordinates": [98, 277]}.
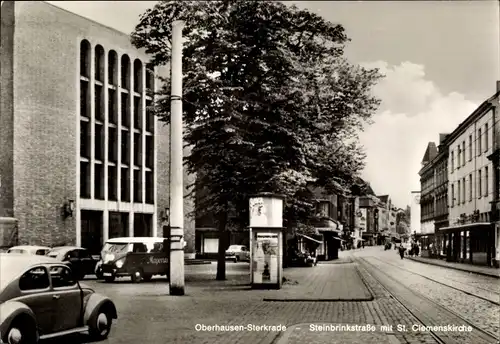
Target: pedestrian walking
{"type": "Point", "coordinates": [401, 251]}
{"type": "Point", "coordinates": [363, 244]}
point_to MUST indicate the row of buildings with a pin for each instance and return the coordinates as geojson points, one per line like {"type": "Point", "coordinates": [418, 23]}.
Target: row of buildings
{"type": "Point", "coordinates": [459, 196]}
{"type": "Point", "coordinates": [83, 160]}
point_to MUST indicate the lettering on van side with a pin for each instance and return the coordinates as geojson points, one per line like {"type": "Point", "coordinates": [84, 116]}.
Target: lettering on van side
{"type": "Point", "coordinates": [156, 261]}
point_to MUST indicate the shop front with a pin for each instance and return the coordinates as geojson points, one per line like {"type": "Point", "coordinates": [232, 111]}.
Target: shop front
{"type": "Point", "coordinates": [427, 245]}
{"type": "Point", "coordinates": [471, 243]}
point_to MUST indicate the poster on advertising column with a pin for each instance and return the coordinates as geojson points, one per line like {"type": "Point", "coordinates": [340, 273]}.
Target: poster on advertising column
{"type": "Point", "coordinates": [265, 258]}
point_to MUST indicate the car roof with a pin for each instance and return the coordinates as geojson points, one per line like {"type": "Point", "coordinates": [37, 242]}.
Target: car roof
{"type": "Point", "coordinates": [133, 240]}
{"type": "Point", "coordinates": [67, 248]}
{"type": "Point", "coordinates": [12, 259]}
{"type": "Point", "coordinates": [29, 247]}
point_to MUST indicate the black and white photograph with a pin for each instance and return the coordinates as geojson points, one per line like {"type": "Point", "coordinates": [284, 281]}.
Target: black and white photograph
{"type": "Point", "coordinates": [250, 171]}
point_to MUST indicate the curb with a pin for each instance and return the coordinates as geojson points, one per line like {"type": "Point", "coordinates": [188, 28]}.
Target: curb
{"type": "Point", "coordinates": [454, 268]}
{"type": "Point", "coordinates": [370, 290]}
{"type": "Point", "coordinates": [196, 262]}
{"type": "Point", "coordinates": [317, 300]}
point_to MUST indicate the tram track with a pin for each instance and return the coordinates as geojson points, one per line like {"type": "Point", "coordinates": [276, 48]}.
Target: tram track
{"type": "Point", "coordinates": [447, 285]}
{"type": "Point", "coordinates": [423, 309]}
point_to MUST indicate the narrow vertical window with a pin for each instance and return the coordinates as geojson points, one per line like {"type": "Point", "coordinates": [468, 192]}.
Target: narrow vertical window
{"type": "Point", "coordinates": [463, 191]}
{"type": "Point", "coordinates": [125, 69]}
{"type": "Point", "coordinates": [479, 183]}
{"type": "Point", "coordinates": [479, 142]}
{"type": "Point", "coordinates": [486, 137]}
{"type": "Point", "coordinates": [99, 63]}
{"type": "Point", "coordinates": [112, 67]}
{"type": "Point", "coordinates": [452, 195]}
{"type": "Point", "coordinates": [137, 75]}
{"type": "Point", "coordinates": [463, 153]}
{"type": "Point", "coordinates": [85, 58]}
{"type": "Point", "coordinates": [470, 187]}
{"type": "Point", "coordinates": [486, 181]}
{"type": "Point", "coordinates": [470, 147]}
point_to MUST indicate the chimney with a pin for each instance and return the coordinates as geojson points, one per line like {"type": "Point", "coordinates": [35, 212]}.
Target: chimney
{"type": "Point", "coordinates": [498, 85]}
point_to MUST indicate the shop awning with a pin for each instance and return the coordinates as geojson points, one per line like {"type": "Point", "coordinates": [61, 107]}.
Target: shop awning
{"type": "Point", "coordinates": [465, 226]}
{"type": "Point", "coordinates": [309, 238]}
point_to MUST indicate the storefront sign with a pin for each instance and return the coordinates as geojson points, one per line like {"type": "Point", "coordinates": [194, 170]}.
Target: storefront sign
{"type": "Point", "coordinates": [466, 219]}
{"type": "Point", "coordinates": [265, 258]}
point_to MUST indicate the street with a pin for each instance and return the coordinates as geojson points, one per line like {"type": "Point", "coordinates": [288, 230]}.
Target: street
{"type": "Point", "coordinates": [421, 294]}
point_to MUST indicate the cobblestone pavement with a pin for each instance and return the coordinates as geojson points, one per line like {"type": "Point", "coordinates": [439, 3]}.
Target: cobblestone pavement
{"type": "Point", "coordinates": [481, 313]}
{"type": "Point", "coordinates": [323, 282]}
{"type": "Point", "coordinates": [148, 314]}
{"type": "Point", "coordinates": [327, 333]}
{"type": "Point", "coordinates": [483, 286]}
{"type": "Point", "coordinates": [488, 271]}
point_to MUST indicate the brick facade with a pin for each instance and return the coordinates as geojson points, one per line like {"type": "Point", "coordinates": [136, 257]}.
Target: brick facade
{"type": "Point", "coordinates": [39, 125]}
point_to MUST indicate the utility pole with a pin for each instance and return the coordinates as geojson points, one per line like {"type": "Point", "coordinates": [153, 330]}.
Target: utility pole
{"type": "Point", "coordinates": [176, 277]}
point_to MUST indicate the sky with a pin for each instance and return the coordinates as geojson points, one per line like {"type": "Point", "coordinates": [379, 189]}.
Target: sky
{"type": "Point", "coordinates": [441, 60]}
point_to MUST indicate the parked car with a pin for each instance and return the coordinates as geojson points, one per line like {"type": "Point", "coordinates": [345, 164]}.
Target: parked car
{"type": "Point", "coordinates": [79, 259]}
{"type": "Point", "coordinates": [238, 253]}
{"type": "Point", "coordinates": [29, 249]}
{"type": "Point", "coordinates": [41, 299]}
{"type": "Point", "coordinates": [141, 258]}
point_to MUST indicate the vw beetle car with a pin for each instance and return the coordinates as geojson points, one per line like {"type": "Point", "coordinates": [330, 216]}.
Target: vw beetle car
{"type": "Point", "coordinates": [40, 298]}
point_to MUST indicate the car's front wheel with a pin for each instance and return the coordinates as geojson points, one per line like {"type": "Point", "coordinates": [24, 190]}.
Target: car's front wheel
{"type": "Point", "coordinates": [101, 325]}
{"type": "Point", "coordinates": [137, 276]}
{"type": "Point", "coordinates": [22, 331]}
{"type": "Point", "coordinates": [109, 278]}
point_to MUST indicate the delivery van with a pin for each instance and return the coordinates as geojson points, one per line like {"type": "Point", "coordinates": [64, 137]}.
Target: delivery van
{"type": "Point", "coordinates": [141, 258]}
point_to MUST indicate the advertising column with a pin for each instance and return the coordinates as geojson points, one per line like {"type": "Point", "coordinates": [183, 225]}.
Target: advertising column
{"type": "Point", "coordinates": [266, 225]}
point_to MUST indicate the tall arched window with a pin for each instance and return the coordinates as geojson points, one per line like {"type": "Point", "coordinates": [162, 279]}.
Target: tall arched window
{"type": "Point", "coordinates": [150, 77]}
{"type": "Point", "coordinates": [112, 70]}
{"type": "Point", "coordinates": [137, 75]}
{"type": "Point", "coordinates": [125, 69]}
{"type": "Point", "coordinates": [85, 58]}
{"type": "Point", "coordinates": [99, 63]}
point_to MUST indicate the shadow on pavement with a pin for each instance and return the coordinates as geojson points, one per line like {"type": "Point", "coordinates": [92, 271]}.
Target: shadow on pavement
{"type": "Point", "coordinates": [73, 339]}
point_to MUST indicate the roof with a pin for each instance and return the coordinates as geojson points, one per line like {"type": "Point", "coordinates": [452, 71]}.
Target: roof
{"type": "Point", "coordinates": [480, 110]}
{"type": "Point", "coordinates": [67, 248]}
{"type": "Point", "coordinates": [29, 247]}
{"type": "Point", "coordinates": [384, 198]}
{"type": "Point", "coordinates": [133, 240]}
{"type": "Point", "coordinates": [430, 153]}
{"type": "Point", "coordinates": [11, 259]}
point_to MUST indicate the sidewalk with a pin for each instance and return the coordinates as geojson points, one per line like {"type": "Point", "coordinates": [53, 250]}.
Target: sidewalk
{"type": "Point", "coordinates": [480, 270]}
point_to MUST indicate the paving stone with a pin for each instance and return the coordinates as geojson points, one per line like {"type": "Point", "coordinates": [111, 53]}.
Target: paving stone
{"type": "Point", "coordinates": [314, 333]}
{"type": "Point", "coordinates": [323, 283]}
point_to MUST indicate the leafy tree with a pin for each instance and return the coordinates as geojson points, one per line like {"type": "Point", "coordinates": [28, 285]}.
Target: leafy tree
{"type": "Point", "coordinates": [270, 104]}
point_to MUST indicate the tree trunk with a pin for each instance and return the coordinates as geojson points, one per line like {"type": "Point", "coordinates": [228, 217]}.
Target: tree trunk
{"type": "Point", "coordinates": [223, 241]}
{"type": "Point", "coordinates": [285, 247]}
